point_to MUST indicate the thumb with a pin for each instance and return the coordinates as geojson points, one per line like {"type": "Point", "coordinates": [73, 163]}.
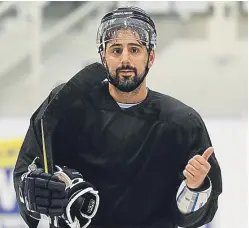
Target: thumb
{"type": "Point", "coordinates": [208, 152]}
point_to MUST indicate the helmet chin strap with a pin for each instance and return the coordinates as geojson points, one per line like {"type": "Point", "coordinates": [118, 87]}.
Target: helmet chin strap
{"type": "Point", "coordinates": [111, 79]}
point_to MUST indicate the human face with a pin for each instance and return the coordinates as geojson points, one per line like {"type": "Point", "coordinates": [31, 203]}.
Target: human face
{"type": "Point", "coordinates": [126, 58]}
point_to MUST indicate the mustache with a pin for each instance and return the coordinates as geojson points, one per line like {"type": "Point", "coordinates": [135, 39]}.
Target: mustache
{"type": "Point", "coordinates": [126, 68]}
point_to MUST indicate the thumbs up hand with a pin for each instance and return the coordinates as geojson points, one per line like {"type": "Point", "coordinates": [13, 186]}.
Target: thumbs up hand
{"type": "Point", "coordinates": [197, 169]}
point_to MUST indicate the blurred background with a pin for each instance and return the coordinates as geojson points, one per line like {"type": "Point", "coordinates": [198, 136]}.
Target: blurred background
{"type": "Point", "coordinates": [201, 59]}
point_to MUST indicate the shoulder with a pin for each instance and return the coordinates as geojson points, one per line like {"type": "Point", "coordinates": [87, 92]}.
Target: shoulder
{"type": "Point", "coordinates": [177, 112]}
{"type": "Point", "coordinates": [56, 90]}
{"type": "Point", "coordinates": [182, 123]}
{"type": "Point", "coordinates": [37, 115]}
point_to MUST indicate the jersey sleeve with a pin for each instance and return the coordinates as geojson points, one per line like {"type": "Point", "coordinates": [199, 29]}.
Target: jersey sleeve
{"type": "Point", "coordinates": [30, 149]}
{"type": "Point", "coordinates": [198, 142]}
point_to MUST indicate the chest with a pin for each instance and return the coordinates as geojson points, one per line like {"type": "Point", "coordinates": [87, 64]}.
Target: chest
{"type": "Point", "coordinates": [122, 145]}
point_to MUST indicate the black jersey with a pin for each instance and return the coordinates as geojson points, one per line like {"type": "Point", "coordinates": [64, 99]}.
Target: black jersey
{"type": "Point", "coordinates": [134, 157]}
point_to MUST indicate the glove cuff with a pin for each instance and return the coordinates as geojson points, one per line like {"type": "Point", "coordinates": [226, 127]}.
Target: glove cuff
{"type": "Point", "coordinates": [63, 176]}
{"type": "Point", "coordinates": [83, 200]}
{"type": "Point", "coordinates": [22, 195]}
{"type": "Point", "coordinates": [92, 206]}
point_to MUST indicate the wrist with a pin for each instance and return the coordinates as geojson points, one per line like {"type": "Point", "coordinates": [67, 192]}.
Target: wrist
{"type": "Point", "coordinates": [202, 187]}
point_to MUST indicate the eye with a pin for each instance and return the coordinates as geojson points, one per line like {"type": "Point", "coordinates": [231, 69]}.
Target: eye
{"type": "Point", "coordinates": [117, 50]}
{"type": "Point", "coordinates": [134, 50]}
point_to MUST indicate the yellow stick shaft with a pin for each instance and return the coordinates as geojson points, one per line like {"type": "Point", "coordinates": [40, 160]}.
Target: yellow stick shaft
{"type": "Point", "coordinates": [44, 149]}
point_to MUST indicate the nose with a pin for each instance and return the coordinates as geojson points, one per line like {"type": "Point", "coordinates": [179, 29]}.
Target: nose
{"type": "Point", "coordinates": [125, 57]}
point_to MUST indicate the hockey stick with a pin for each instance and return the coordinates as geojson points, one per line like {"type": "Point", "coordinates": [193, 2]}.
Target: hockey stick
{"type": "Point", "coordinates": [82, 82]}
{"type": "Point", "coordinates": [53, 223]}
{"type": "Point", "coordinates": [44, 149]}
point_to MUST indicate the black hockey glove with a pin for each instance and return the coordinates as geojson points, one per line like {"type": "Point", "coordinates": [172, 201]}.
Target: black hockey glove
{"type": "Point", "coordinates": [42, 193]}
{"type": "Point", "coordinates": [83, 198]}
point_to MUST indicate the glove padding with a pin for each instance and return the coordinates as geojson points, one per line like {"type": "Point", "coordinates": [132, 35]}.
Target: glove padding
{"type": "Point", "coordinates": [83, 198]}
{"type": "Point", "coordinates": [43, 193]}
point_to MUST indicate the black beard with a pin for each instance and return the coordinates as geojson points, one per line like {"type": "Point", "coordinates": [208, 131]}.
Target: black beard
{"type": "Point", "coordinates": [126, 85]}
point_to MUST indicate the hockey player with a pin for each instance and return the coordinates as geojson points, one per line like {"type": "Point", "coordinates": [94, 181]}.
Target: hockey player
{"type": "Point", "coordinates": [123, 154]}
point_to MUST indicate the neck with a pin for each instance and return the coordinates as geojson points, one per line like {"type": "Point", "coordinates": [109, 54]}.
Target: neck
{"type": "Point", "coordinates": [136, 96]}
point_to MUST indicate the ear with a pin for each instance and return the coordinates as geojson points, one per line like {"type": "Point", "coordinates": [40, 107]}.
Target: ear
{"type": "Point", "coordinates": [151, 58]}
{"type": "Point", "coordinates": [103, 58]}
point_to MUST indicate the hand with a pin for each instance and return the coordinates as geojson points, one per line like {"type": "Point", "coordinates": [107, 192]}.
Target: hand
{"type": "Point", "coordinates": [197, 169]}
{"type": "Point", "coordinates": [43, 193]}
{"type": "Point", "coordinates": [83, 198]}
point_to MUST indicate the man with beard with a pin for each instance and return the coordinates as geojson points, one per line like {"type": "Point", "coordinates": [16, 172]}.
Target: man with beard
{"type": "Point", "coordinates": [123, 155]}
